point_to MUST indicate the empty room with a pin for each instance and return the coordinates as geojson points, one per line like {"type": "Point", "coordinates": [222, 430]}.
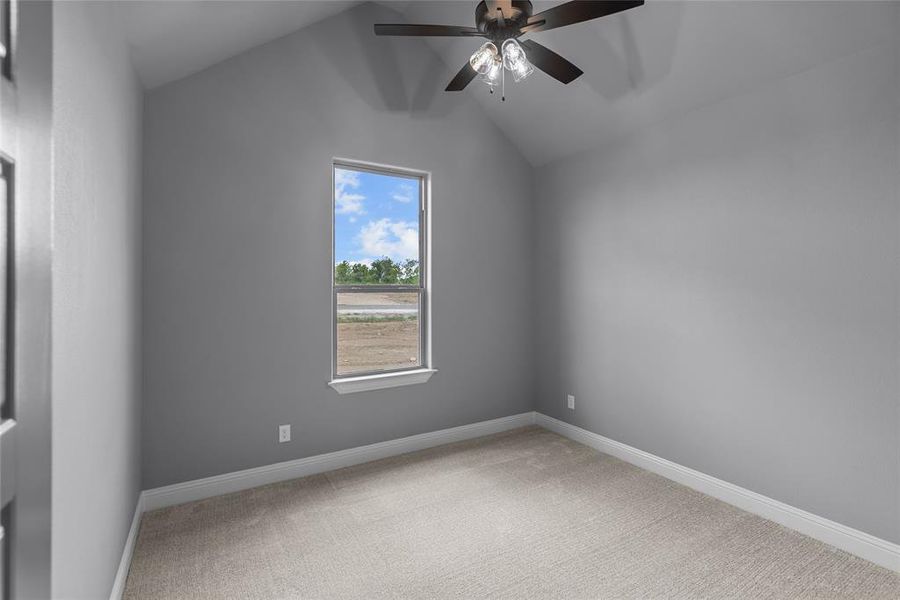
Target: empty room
{"type": "Point", "coordinates": [459, 299]}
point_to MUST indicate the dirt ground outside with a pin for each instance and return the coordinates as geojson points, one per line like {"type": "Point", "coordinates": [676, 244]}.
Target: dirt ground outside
{"type": "Point", "coordinates": [377, 345]}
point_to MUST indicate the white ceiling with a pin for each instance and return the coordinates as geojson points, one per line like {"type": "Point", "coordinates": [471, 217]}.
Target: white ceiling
{"type": "Point", "coordinates": [641, 66]}
{"type": "Point", "coordinates": [173, 39]}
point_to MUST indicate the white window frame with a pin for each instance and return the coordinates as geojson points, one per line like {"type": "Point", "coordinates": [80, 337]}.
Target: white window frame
{"type": "Point", "coordinates": [358, 382]}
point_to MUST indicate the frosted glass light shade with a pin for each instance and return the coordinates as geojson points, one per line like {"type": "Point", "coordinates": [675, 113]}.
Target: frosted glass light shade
{"type": "Point", "coordinates": [492, 75]}
{"type": "Point", "coordinates": [483, 59]}
{"type": "Point", "coordinates": [515, 61]}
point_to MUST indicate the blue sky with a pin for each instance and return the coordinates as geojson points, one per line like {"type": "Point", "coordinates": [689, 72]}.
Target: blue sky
{"type": "Point", "coordinates": [375, 216]}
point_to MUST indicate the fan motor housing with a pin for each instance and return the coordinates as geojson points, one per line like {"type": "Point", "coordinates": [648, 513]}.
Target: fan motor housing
{"type": "Point", "coordinates": [489, 24]}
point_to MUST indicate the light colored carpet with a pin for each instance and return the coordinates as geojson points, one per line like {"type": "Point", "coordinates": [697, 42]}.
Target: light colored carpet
{"type": "Point", "coordinates": [523, 514]}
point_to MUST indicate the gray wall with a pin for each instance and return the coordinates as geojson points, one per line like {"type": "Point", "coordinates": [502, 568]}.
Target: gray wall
{"type": "Point", "coordinates": [722, 290]}
{"type": "Point", "coordinates": [96, 236]}
{"type": "Point", "coordinates": [237, 250]}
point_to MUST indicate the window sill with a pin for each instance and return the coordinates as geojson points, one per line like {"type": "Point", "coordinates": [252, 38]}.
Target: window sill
{"type": "Point", "coordinates": [349, 385]}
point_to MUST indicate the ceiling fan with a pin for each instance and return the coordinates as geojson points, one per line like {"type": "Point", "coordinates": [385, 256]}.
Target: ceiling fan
{"type": "Point", "coordinates": [502, 22]}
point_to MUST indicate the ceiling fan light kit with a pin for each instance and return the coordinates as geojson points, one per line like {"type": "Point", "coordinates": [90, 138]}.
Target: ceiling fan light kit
{"type": "Point", "coordinates": [503, 22]}
{"type": "Point", "coordinates": [487, 61]}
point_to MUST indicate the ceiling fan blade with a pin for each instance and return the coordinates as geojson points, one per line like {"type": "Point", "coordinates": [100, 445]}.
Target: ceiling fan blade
{"type": "Point", "coordinates": [532, 26]}
{"type": "Point", "coordinates": [462, 79]}
{"type": "Point", "coordinates": [577, 11]}
{"type": "Point", "coordinates": [426, 30]}
{"type": "Point", "coordinates": [550, 62]}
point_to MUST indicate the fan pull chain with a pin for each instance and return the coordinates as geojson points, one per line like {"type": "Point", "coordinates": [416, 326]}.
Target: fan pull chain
{"type": "Point", "coordinates": [503, 84]}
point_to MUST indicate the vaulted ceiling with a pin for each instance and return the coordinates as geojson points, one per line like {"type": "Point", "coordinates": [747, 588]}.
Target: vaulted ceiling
{"type": "Point", "coordinates": [173, 39]}
{"type": "Point", "coordinates": [642, 66]}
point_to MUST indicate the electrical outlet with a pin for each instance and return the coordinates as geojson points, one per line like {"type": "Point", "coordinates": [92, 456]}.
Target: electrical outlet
{"type": "Point", "coordinates": [284, 433]}
{"type": "Point", "coordinates": [571, 401]}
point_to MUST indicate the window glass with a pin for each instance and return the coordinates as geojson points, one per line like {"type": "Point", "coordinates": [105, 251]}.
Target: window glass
{"type": "Point", "coordinates": [376, 228]}
{"type": "Point", "coordinates": [377, 332]}
{"type": "Point", "coordinates": [379, 278]}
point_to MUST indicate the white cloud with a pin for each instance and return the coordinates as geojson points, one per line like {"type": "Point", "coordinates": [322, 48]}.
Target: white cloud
{"type": "Point", "coordinates": [346, 203]}
{"type": "Point", "coordinates": [403, 193]}
{"type": "Point", "coordinates": [363, 261]}
{"type": "Point", "coordinates": [398, 240]}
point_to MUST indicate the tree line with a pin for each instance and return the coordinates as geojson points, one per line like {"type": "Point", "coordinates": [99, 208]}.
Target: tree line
{"type": "Point", "coordinates": [383, 271]}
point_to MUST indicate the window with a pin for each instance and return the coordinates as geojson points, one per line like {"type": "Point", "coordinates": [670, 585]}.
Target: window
{"type": "Point", "coordinates": [380, 302]}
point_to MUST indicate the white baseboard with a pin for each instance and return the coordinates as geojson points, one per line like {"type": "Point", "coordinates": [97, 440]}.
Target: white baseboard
{"type": "Point", "coordinates": [199, 489]}
{"type": "Point", "coordinates": [869, 547]}
{"type": "Point", "coordinates": [125, 562]}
